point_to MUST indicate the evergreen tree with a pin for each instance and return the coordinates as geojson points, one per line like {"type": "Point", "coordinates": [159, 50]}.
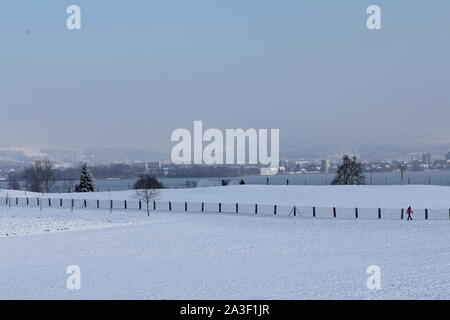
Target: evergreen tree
{"type": "Point", "coordinates": [87, 183]}
{"type": "Point", "coordinates": [349, 172]}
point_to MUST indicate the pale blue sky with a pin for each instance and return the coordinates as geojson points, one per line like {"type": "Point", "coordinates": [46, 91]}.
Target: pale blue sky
{"type": "Point", "coordinates": [139, 69]}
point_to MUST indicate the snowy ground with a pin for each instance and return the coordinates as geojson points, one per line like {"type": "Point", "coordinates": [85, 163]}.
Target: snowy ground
{"type": "Point", "coordinates": [23, 221]}
{"type": "Point", "coordinates": [127, 255]}
{"type": "Point", "coordinates": [211, 256]}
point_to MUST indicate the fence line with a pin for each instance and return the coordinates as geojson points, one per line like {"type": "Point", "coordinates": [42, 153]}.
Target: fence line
{"type": "Point", "coordinates": [229, 208]}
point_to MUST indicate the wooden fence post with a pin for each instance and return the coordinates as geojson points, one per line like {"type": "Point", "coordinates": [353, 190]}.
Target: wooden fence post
{"type": "Point", "coordinates": [275, 210]}
{"type": "Point", "coordinates": [85, 203]}
{"type": "Point", "coordinates": [170, 205]}
{"type": "Point", "coordinates": [185, 207]}
{"type": "Point", "coordinates": [426, 214]}
{"type": "Point", "coordinates": [220, 207]}
{"type": "Point", "coordinates": [111, 204]}
{"type": "Point", "coordinates": [334, 212]}
{"type": "Point", "coordinates": [28, 202]}
{"type": "Point", "coordinates": [60, 202]}
{"type": "Point", "coordinates": [125, 204]}
{"type": "Point", "coordinates": [72, 204]}
{"type": "Point", "coordinates": [98, 204]}
{"type": "Point", "coordinates": [403, 211]}
{"type": "Point", "coordinates": [379, 213]}
{"type": "Point", "coordinates": [356, 213]}
{"type": "Point", "coordinates": [256, 208]}
{"type": "Point", "coordinates": [203, 207]}
{"type": "Point", "coordinates": [49, 202]}
{"type": "Point", "coordinates": [154, 205]}
{"type": "Point", "coordinates": [17, 201]}
{"type": "Point", "coordinates": [237, 207]}
{"type": "Point", "coordinates": [140, 205]}
{"type": "Point", "coordinates": [314, 211]}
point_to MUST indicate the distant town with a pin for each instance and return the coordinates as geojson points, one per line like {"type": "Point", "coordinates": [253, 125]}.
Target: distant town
{"type": "Point", "coordinates": [132, 169]}
{"type": "Point", "coordinates": [426, 162]}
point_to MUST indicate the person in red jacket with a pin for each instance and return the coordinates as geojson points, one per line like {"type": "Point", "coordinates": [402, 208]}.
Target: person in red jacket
{"type": "Point", "coordinates": [409, 212]}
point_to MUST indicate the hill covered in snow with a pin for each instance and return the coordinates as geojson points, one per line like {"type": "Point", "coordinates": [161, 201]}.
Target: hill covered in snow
{"type": "Point", "coordinates": [126, 254]}
{"type": "Point", "coordinates": [14, 157]}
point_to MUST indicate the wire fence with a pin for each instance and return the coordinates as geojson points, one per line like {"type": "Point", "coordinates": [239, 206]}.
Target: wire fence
{"type": "Point", "coordinates": [225, 208]}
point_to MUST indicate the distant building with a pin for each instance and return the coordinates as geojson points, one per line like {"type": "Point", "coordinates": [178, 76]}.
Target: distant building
{"type": "Point", "coordinates": [324, 166]}
{"type": "Point", "coordinates": [426, 158]}
{"type": "Point", "coordinates": [268, 171]}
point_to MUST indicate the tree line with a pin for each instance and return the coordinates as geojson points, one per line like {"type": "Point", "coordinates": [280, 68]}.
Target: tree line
{"type": "Point", "coordinates": [42, 175]}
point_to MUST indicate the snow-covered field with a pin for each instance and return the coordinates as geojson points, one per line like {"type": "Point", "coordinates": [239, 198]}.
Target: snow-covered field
{"type": "Point", "coordinates": [127, 255]}
{"type": "Point", "coordinates": [417, 196]}
{"type": "Point", "coordinates": [24, 221]}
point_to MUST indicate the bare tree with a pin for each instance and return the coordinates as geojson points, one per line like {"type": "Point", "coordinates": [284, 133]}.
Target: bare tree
{"type": "Point", "coordinates": [48, 174]}
{"type": "Point", "coordinates": [40, 177]}
{"type": "Point", "coordinates": [13, 183]}
{"type": "Point", "coordinates": [402, 167]}
{"type": "Point", "coordinates": [148, 195]}
{"type": "Point", "coordinates": [33, 181]}
{"type": "Point", "coordinates": [147, 182]}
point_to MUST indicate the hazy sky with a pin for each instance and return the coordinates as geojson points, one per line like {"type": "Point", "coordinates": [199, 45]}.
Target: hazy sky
{"type": "Point", "coordinates": [137, 70]}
